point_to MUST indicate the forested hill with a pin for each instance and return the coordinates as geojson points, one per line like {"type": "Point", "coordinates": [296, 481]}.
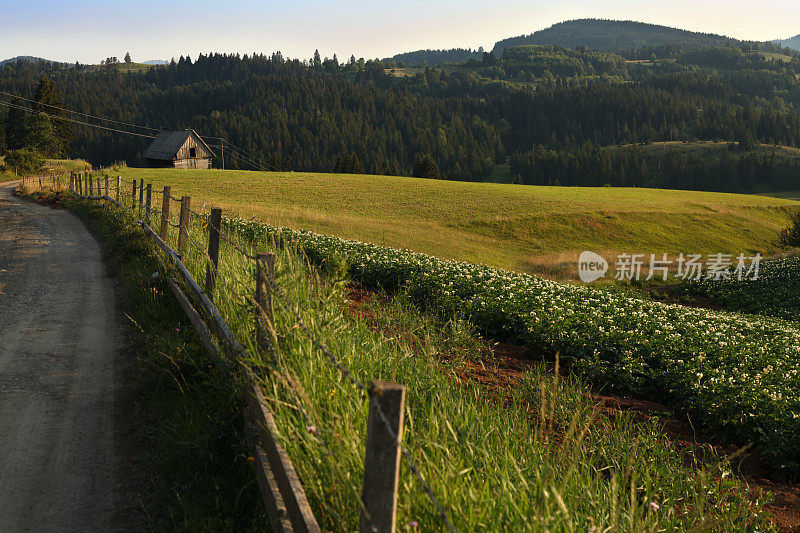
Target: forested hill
{"type": "Point", "coordinates": [30, 59]}
{"type": "Point", "coordinates": [617, 35]}
{"type": "Point", "coordinates": [438, 57]}
{"type": "Point", "coordinates": [545, 114]}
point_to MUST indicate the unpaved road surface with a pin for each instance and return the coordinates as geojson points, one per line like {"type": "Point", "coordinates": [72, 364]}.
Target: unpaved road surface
{"type": "Point", "coordinates": [62, 433]}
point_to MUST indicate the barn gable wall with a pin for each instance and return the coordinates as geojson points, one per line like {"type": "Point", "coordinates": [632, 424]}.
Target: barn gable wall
{"type": "Point", "coordinates": [192, 142]}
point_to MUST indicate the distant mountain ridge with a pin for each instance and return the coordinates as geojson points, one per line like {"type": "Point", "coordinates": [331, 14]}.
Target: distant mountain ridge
{"type": "Point", "coordinates": [594, 34]}
{"type": "Point", "coordinates": [155, 62]}
{"type": "Point", "coordinates": [793, 43]}
{"type": "Point", "coordinates": [599, 34]}
{"type": "Point", "coordinates": [30, 59]}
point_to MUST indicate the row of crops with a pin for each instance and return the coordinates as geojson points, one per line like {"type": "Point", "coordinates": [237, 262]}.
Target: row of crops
{"type": "Point", "coordinates": [776, 291]}
{"type": "Point", "coordinates": [737, 374]}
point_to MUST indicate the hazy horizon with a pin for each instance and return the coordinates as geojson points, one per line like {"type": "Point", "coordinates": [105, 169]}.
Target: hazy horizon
{"type": "Point", "coordinates": [150, 30]}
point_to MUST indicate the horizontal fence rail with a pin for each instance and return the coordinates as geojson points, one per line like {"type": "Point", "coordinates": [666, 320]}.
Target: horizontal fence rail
{"type": "Point", "coordinates": [281, 489]}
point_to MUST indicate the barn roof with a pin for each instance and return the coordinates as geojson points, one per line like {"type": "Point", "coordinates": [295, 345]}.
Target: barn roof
{"type": "Point", "coordinates": [167, 144]}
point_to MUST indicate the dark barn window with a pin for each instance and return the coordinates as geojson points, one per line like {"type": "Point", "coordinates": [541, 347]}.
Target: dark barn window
{"type": "Point", "coordinates": [192, 152]}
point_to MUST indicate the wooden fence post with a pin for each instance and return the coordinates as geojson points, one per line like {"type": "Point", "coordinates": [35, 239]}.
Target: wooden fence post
{"type": "Point", "coordinates": [40, 183]}
{"type": "Point", "coordinates": [183, 231]}
{"type": "Point", "coordinates": [165, 201]}
{"type": "Point", "coordinates": [99, 188]}
{"type": "Point", "coordinates": [141, 196]}
{"type": "Point", "coordinates": [133, 196]}
{"type": "Point", "coordinates": [91, 184]}
{"type": "Point", "coordinates": [119, 182]}
{"type": "Point", "coordinates": [214, 221]}
{"type": "Point", "coordinates": [149, 200]}
{"type": "Point", "coordinates": [107, 199]}
{"type": "Point", "coordinates": [265, 275]}
{"type": "Point", "coordinates": [382, 459]}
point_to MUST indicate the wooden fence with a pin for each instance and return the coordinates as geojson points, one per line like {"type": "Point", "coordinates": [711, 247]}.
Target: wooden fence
{"type": "Point", "coordinates": [282, 492]}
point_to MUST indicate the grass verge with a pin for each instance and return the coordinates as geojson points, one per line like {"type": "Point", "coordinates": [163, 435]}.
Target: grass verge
{"type": "Point", "coordinates": [199, 475]}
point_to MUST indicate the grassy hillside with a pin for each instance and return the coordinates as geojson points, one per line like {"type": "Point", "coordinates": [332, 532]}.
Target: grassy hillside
{"type": "Point", "coordinates": [517, 227]}
{"type": "Point", "coordinates": [133, 67]}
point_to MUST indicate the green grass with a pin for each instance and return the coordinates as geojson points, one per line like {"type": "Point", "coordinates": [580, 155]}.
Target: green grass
{"type": "Point", "coordinates": [525, 228]}
{"type": "Point", "coordinates": [58, 166]}
{"type": "Point", "coordinates": [787, 195]}
{"type": "Point", "coordinates": [774, 55]}
{"type": "Point", "coordinates": [557, 463]}
{"type": "Point", "coordinates": [66, 165]}
{"type": "Point", "coordinates": [134, 67]}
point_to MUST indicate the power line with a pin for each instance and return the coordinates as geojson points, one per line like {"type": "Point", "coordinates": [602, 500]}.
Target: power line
{"type": "Point", "coordinates": [245, 159]}
{"type": "Point", "coordinates": [238, 153]}
{"type": "Point", "coordinates": [78, 112]}
{"type": "Point", "coordinates": [255, 161]}
{"type": "Point", "coordinates": [74, 121]}
{"type": "Point", "coordinates": [249, 161]}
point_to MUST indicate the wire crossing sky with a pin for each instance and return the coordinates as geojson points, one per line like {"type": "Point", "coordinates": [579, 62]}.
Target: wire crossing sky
{"type": "Point", "coordinates": [79, 30]}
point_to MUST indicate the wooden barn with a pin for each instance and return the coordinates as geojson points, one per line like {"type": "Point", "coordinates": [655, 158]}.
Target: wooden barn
{"type": "Point", "coordinates": [178, 149]}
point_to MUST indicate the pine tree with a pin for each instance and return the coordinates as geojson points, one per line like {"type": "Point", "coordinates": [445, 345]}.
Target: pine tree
{"type": "Point", "coordinates": [127, 57]}
{"type": "Point", "coordinates": [43, 137]}
{"type": "Point", "coordinates": [56, 133]}
{"type": "Point", "coordinates": [15, 129]}
{"type": "Point", "coordinates": [426, 167]}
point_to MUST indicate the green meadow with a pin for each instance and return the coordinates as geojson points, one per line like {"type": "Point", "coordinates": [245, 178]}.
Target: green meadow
{"type": "Point", "coordinates": [524, 228]}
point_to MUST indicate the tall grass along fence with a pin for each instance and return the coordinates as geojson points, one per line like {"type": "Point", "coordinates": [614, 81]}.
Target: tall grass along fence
{"type": "Point", "coordinates": [54, 180]}
{"type": "Point", "coordinates": [168, 220]}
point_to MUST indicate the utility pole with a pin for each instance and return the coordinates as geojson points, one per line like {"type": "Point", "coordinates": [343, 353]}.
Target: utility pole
{"type": "Point", "coordinates": [222, 148]}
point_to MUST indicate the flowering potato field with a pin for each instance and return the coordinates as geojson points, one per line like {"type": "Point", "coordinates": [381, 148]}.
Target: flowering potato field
{"type": "Point", "coordinates": [738, 375]}
{"type": "Point", "coordinates": [776, 291]}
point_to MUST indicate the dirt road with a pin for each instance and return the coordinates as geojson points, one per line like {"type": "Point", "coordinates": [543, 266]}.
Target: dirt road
{"type": "Point", "coordinates": [62, 439]}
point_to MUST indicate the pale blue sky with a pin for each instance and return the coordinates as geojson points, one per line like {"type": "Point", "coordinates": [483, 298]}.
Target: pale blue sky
{"type": "Point", "coordinates": [89, 31]}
